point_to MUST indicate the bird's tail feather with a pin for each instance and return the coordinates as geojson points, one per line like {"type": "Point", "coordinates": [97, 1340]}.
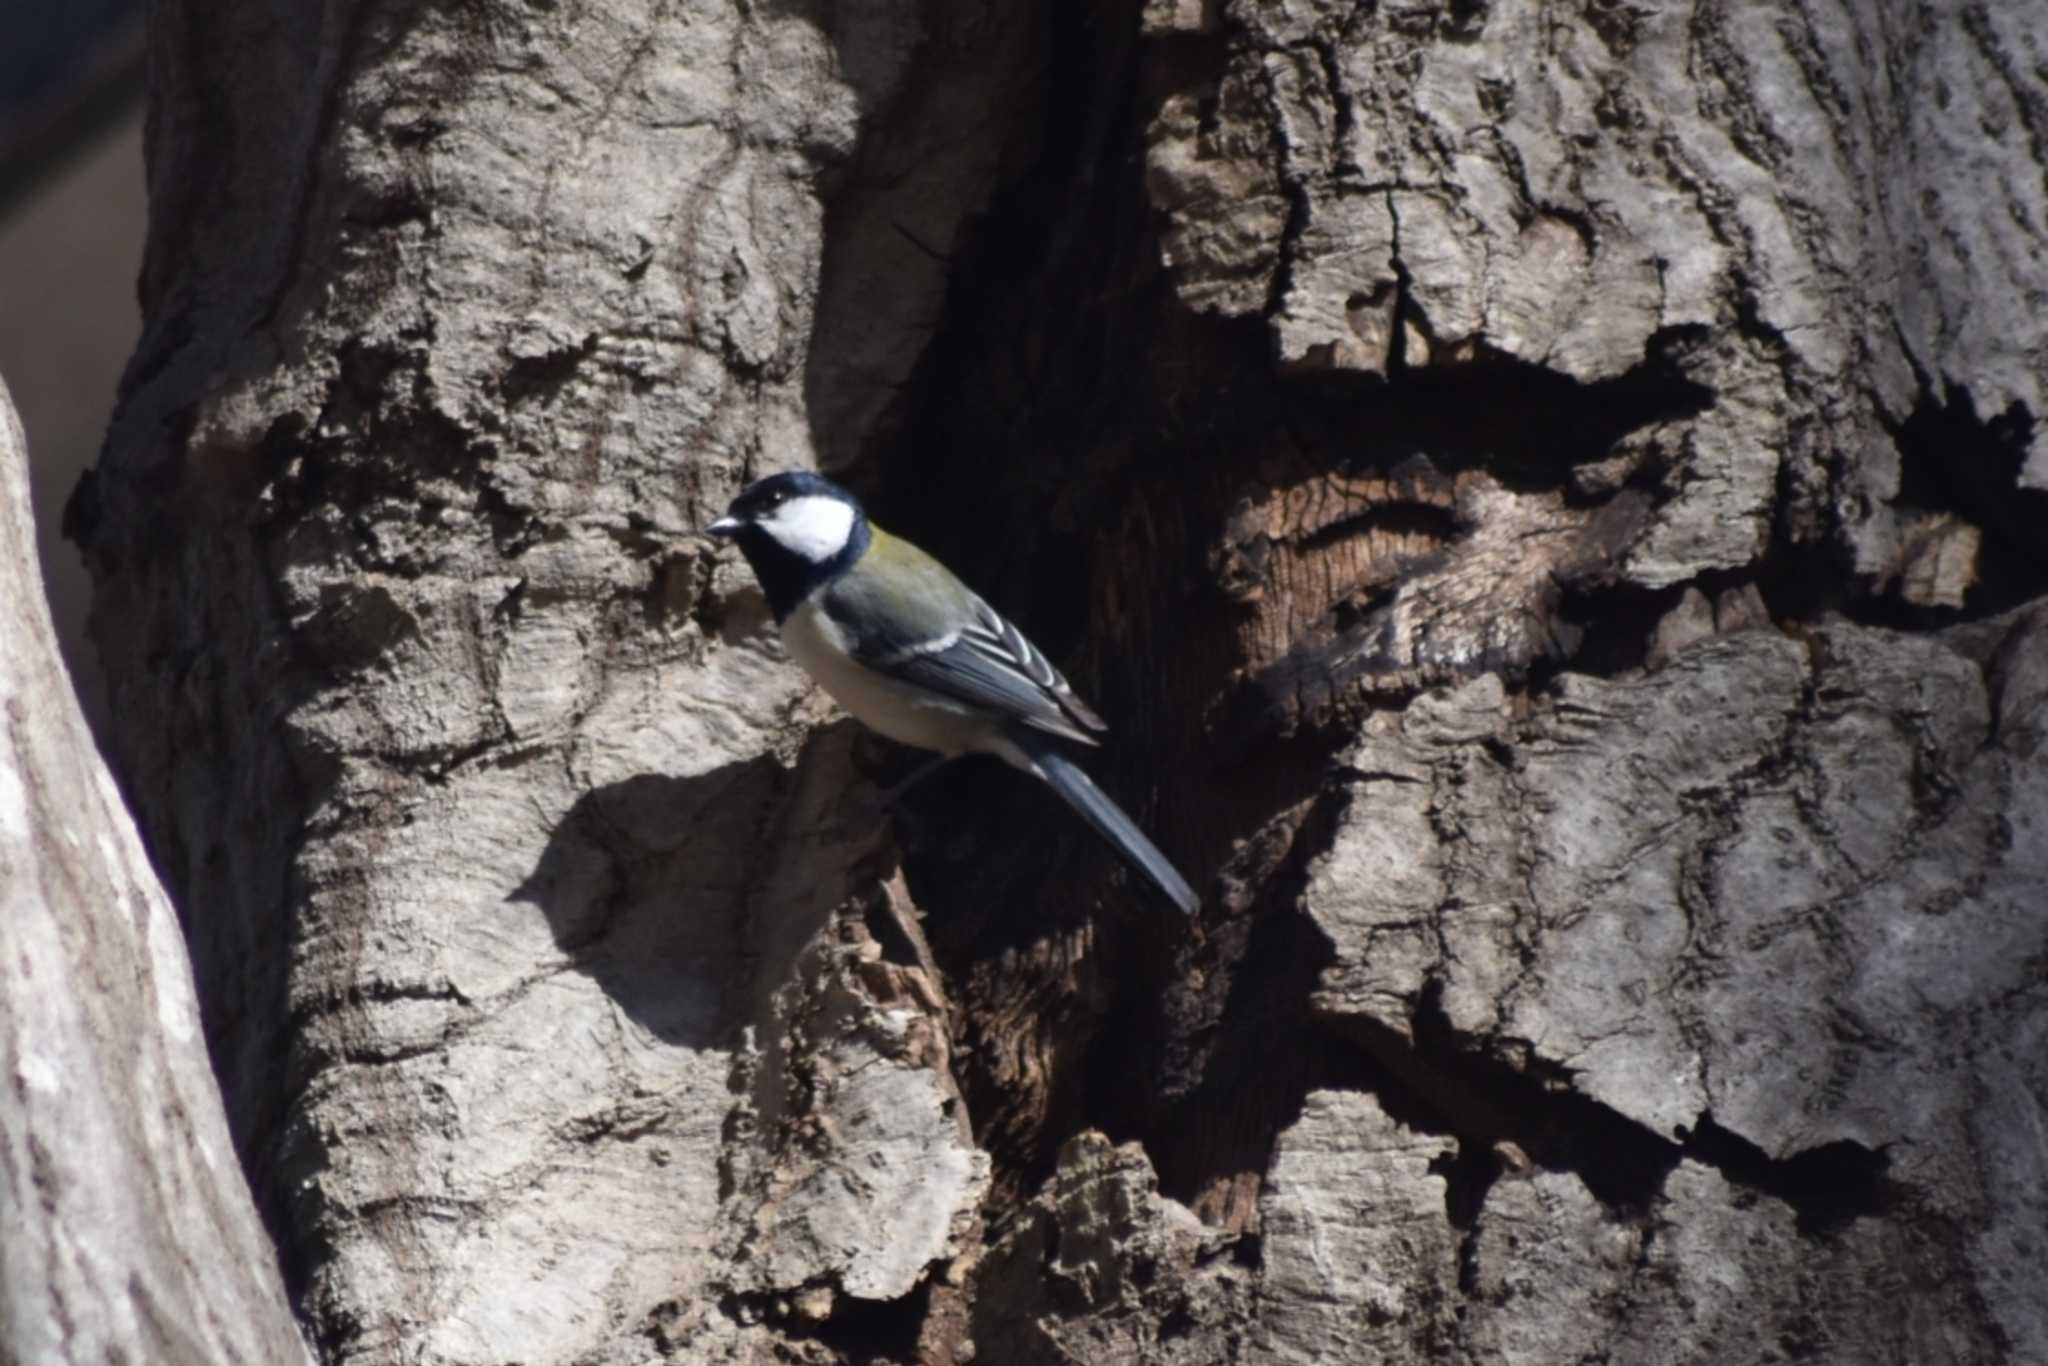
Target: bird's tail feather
{"type": "Point", "coordinates": [1079, 791]}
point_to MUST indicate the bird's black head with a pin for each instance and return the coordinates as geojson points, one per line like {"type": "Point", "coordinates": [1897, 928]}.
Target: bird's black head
{"type": "Point", "coordinates": [797, 530]}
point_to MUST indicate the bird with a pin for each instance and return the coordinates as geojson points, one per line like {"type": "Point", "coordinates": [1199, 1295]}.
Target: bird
{"type": "Point", "coordinates": [915, 654]}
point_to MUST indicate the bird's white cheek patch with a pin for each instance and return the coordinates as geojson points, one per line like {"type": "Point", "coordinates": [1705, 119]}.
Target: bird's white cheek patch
{"type": "Point", "coordinates": [814, 527]}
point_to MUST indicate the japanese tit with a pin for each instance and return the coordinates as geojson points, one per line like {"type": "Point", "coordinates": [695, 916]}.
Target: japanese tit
{"type": "Point", "coordinates": [913, 653]}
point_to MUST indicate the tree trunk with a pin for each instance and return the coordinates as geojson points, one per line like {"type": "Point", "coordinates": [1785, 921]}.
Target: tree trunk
{"type": "Point", "coordinates": [126, 1230]}
{"type": "Point", "coordinates": [1548, 500]}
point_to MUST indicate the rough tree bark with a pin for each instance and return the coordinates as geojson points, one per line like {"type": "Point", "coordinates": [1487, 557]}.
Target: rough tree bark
{"type": "Point", "coordinates": [1549, 498]}
{"type": "Point", "coordinates": [126, 1230]}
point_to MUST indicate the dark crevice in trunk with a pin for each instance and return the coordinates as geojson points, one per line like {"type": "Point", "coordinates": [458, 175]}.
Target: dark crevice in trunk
{"type": "Point", "coordinates": [1468, 1175]}
{"type": "Point", "coordinates": [1829, 1185]}
{"type": "Point", "coordinates": [1528, 426]}
{"type": "Point", "coordinates": [1618, 621]}
{"type": "Point", "coordinates": [1223, 1030]}
{"type": "Point", "coordinates": [1076, 482]}
{"type": "Point", "coordinates": [1441, 1082]}
{"type": "Point", "coordinates": [1020, 437]}
{"type": "Point", "coordinates": [1953, 460]}
{"type": "Point", "coordinates": [858, 1332]}
{"type": "Point", "coordinates": [1076, 444]}
{"type": "Point", "coordinates": [1623, 1164]}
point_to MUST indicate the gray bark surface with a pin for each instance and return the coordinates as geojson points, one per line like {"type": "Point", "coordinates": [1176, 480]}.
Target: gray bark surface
{"type": "Point", "coordinates": [1549, 501]}
{"type": "Point", "coordinates": [126, 1228]}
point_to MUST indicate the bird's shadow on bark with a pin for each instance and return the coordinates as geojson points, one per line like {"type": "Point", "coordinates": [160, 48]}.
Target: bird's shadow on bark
{"type": "Point", "coordinates": [644, 886]}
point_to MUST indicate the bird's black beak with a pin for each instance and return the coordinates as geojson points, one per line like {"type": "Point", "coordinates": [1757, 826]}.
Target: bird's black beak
{"type": "Point", "coordinates": [725, 528]}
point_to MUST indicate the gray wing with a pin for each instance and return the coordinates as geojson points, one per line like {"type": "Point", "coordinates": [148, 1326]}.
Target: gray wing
{"type": "Point", "coordinates": [988, 663]}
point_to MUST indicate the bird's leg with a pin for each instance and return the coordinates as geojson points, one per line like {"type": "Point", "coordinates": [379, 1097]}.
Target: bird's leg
{"type": "Point", "coordinates": [894, 794]}
{"type": "Point", "coordinates": [909, 829]}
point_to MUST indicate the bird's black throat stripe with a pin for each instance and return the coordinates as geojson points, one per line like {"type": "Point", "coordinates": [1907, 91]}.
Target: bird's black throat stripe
{"type": "Point", "coordinates": [786, 577]}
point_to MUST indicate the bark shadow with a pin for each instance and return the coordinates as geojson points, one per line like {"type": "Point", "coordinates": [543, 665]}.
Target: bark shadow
{"type": "Point", "coordinates": [644, 886]}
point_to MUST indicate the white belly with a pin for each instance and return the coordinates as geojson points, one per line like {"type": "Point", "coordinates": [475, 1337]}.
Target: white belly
{"type": "Point", "coordinates": [906, 715]}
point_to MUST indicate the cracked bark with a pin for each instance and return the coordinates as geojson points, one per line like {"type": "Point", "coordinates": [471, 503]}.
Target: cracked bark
{"type": "Point", "coordinates": [1548, 501]}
